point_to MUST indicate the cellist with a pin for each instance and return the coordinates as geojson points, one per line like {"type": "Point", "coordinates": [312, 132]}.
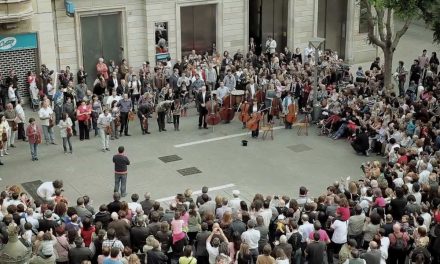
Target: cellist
{"type": "Point", "coordinates": [254, 123]}
{"type": "Point", "coordinates": [287, 101]}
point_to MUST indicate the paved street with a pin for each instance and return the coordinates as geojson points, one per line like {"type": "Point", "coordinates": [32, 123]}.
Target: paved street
{"type": "Point", "coordinates": [269, 167]}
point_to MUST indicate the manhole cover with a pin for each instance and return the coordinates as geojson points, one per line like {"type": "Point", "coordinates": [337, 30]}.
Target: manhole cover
{"type": "Point", "coordinates": [31, 188]}
{"type": "Point", "coordinates": [189, 171]}
{"type": "Point", "coordinates": [170, 158]}
{"type": "Point", "coordinates": [299, 148]}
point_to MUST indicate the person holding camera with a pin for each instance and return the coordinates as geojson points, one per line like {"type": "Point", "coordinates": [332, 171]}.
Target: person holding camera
{"type": "Point", "coordinates": [213, 248]}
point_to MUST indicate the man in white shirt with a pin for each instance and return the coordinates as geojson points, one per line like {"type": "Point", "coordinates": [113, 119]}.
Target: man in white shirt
{"type": "Point", "coordinates": [111, 98]}
{"type": "Point", "coordinates": [340, 232]}
{"type": "Point", "coordinates": [251, 237]}
{"type": "Point", "coordinates": [305, 229]}
{"type": "Point", "coordinates": [234, 203]}
{"type": "Point", "coordinates": [271, 46]}
{"type": "Point", "coordinates": [30, 218]}
{"type": "Point", "coordinates": [45, 113]}
{"type": "Point", "coordinates": [222, 91]}
{"type": "Point", "coordinates": [134, 205]}
{"type": "Point", "coordinates": [46, 190]}
{"type": "Point", "coordinates": [251, 88]}
{"type": "Point", "coordinates": [21, 117]}
{"type": "Point", "coordinates": [213, 249]}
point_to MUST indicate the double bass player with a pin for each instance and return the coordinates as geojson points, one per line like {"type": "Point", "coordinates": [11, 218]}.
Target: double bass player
{"type": "Point", "coordinates": [202, 98]}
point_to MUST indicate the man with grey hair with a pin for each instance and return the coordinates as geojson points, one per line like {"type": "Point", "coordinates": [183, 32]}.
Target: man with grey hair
{"type": "Point", "coordinates": [286, 247]}
{"type": "Point", "coordinates": [147, 203]}
{"type": "Point", "coordinates": [237, 225]}
{"type": "Point", "coordinates": [264, 233]}
{"type": "Point", "coordinates": [79, 253]}
{"type": "Point", "coordinates": [138, 234]}
{"type": "Point", "coordinates": [373, 255]}
{"type": "Point", "coordinates": [234, 203]}
{"type": "Point", "coordinates": [305, 230]}
{"type": "Point", "coordinates": [251, 237]}
{"type": "Point", "coordinates": [29, 218]}
{"type": "Point", "coordinates": [222, 259]}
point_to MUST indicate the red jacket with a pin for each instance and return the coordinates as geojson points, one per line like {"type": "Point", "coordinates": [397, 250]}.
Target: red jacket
{"type": "Point", "coordinates": [34, 134]}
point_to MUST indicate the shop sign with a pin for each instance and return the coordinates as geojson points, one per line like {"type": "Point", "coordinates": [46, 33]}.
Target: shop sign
{"type": "Point", "coordinates": [18, 42]}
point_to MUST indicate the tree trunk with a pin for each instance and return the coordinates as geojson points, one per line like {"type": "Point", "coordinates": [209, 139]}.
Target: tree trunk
{"type": "Point", "coordinates": [388, 69]}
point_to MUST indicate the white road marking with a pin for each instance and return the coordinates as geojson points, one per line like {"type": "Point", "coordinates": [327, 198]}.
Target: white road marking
{"type": "Point", "coordinates": [217, 139]}
{"type": "Point", "coordinates": [216, 188]}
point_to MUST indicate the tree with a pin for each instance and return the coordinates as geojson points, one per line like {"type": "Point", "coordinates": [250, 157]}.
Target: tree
{"type": "Point", "coordinates": [379, 15]}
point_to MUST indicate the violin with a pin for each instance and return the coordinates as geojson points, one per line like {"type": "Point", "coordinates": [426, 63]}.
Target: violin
{"type": "Point", "coordinates": [291, 116]}
{"type": "Point", "coordinates": [227, 112]}
{"type": "Point", "coordinates": [213, 117]}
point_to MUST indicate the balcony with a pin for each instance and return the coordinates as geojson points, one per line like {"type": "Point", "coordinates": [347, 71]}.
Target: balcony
{"type": "Point", "coordinates": [12, 11]}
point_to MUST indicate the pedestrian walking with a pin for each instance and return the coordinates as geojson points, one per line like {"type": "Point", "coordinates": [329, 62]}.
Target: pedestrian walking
{"type": "Point", "coordinates": [121, 162]}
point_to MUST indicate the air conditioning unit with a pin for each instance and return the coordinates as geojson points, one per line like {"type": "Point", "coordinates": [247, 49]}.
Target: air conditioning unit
{"type": "Point", "coordinates": [70, 8]}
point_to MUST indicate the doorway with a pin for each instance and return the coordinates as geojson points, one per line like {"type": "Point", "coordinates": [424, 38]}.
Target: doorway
{"type": "Point", "coordinates": [268, 18]}
{"type": "Point", "coordinates": [198, 27]}
{"type": "Point", "coordinates": [101, 38]}
{"type": "Point", "coordinates": [332, 19]}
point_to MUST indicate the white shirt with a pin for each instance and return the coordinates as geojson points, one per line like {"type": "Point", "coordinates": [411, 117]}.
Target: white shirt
{"type": "Point", "coordinates": [305, 230]}
{"type": "Point", "coordinates": [115, 82]}
{"type": "Point", "coordinates": [32, 220]}
{"type": "Point", "coordinates": [340, 232]}
{"type": "Point", "coordinates": [20, 113]}
{"type": "Point", "coordinates": [222, 92]}
{"type": "Point", "coordinates": [234, 204]}
{"type": "Point", "coordinates": [46, 190]}
{"type": "Point", "coordinates": [252, 86]}
{"type": "Point", "coordinates": [104, 120]}
{"type": "Point", "coordinates": [50, 89]}
{"type": "Point", "coordinates": [112, 98]}
{"type": "Point", "coordinates": [11, 94]}
{"type": "Point", "coordinates": [212, 252]}
{"type": "Point", "coordinates": [384, 245]}
{"type": "Point", "coordinates": [267, 215]}
{"type": "Point", "coordinates": [251, 237]}
{"type": "Point", "coordinates": [424, 176]}
{"type": "Point", "coordinates": [427, 218]}
{"type": "Point", "coordinates": [45, 113]}
{"type": "Point", "coordinates": [134, 206]}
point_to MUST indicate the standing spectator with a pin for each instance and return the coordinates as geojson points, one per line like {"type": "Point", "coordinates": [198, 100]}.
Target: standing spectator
{"type": "Point", "coordinates": [125, 105]}
{"type": "Point", "coordinates": [121, 162]}
{"type": "Point", "coordinates": [102, 68]}
{"type": "Point", "coordinates": [34, 137]}
{"type": "Point", "coordinates": [20, 119]}
{"type": "Point", "coordinates": [398, 245]}
{"type": "Point", "coordinates": [104, 124]}
{"type": "Point", "coordinates": [10, 116]}
{"type": "Point", "coordinates": [47, 122]}
{"type": "Point", "coordinates": [315, 251]}
{"type": "Point", "coordinates": [66, 132]}
{"type": "Point", "coordinates": [83, 113]}
{"type": "Point", "coordinates": [266, 258]}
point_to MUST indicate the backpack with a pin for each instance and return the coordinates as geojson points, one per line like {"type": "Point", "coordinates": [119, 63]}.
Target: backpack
{"type": "Point", "coordinates": [400, 243]}
{"type": "Point", "coordinates": [295, 241]}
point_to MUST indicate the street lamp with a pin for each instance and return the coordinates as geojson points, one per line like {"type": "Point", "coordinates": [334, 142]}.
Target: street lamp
{"type": "Point", "coordinates": [316, 43]}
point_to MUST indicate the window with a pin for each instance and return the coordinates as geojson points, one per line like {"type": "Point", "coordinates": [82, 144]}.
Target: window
{"type": "Point", "coordinates": [363, 19]}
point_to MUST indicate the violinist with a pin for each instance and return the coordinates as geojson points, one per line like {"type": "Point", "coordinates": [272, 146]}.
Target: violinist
{"type": "Point", "coordinates": [202, 98]}
{"type": "Point", "coordinates": [287, 101]}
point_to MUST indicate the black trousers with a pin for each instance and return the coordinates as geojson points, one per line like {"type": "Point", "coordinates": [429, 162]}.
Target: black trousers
{"type": "Point", "coordinates": [176, 119]}
{"type": "Point", "coordinates": [83, 130]}
{"type": "Point", "coordinates": [202, 116]}
{"type": "Point", "coordinates": [161, 120]}
{"type": "Point", "coordinates": [20, 133]}
{"type": "Point", "coordinates": [141, 120]}
{"type": "Point", "coordinates": [124, 123]}
{"type": "Point", "coordinates": [256, 131]}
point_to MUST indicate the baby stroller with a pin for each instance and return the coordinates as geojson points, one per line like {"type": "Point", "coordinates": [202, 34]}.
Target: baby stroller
{"type": "Point", "coordinates": [327, 125]}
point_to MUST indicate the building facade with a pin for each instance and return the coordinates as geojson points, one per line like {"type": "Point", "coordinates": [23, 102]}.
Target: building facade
{"type": "Point", "coordinates": [150, 30]}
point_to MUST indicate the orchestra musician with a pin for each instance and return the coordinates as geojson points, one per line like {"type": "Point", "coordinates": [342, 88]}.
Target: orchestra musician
{"type": "Point", "coordinates": [222, 91]}
{"type": "Point", "coordinates": [287, 101]}
{"type": "Point", "coordinates": [255, 119]}
{"type": "Point", "coordinates": [202, 98]}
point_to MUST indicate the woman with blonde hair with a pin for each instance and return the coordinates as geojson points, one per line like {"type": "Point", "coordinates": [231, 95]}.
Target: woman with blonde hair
{"type": "Point", "coordinates": [244, 255]}
{"type": "Point", "coordinates": [134, 259]}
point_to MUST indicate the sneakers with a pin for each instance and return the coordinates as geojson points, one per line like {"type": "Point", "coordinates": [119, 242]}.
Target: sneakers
{"type": "Point", "coordinates": [107, 149]}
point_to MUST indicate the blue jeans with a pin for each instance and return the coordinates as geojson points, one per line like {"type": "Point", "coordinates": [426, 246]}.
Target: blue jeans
{"type": "Point", "coordinates": [296, 256]}
{"type": "Point", "coordinates": [66, 140]}
{"type": "Point", "coordinates": [33, 150]}
{"type": "Point", "coordinates": [121, 182]}
{"type": "Point", "coordinates": [48, 134]}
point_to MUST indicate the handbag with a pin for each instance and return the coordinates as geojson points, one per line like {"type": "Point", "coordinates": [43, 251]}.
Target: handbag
{"type": "Point", "coordinates": [51, 123]}
{"type": "Point", "coordinates": [37, 138]}
{"type": "Point", "coordinates": [14, 126]}
{"type": "Point", "coordinates": [131, 116]}
{"type": "Point", "coordinates": [4, 137]}
{"type": "Point", "coordinates": [108, 130]}
{"type": "Point", "coordinates": [69, 131]}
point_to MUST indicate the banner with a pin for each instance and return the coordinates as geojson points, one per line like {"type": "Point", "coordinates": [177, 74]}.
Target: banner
{"type": "Point", "coordinates": [18, 42]}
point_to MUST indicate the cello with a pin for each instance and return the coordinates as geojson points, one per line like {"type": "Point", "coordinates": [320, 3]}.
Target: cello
{"type": "Point", "coordinates": [255, 118]}
{"type": "Point", "coordinates": [213, 117]}
{"type": "Point", "coordinates": [244, 112]}
{"type": "Point", "coordinates": [291, 115]}
{"type": "Point", "coordinates": [227, 112]}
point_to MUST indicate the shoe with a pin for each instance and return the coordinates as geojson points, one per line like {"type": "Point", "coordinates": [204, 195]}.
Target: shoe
{"type": "Point", "coordinates": [6, 153]}
{"type": "Point", "coordinates": [205, 127]}
{"type": "Point", "coordinates": [33, 159]}
{"type": "Point", "coordinates": [36, 158]}
{"type": "Point", "coordinates": [164, 129]}
{"type": "Point", "coordinates": [1, 154]}
{"type": "Point", "coordinates": [1, 163]}
{"type": "Point", "coordinates": [128, 135]}
{"type": "Point", "coordinates": [12, 146]}
{"type": "Point", "coordinates": [65, 152]}
{"type": "Point", "coordinates": [53, 143]}
{"type": "Point", "coordinates": [107, 149]}
{"type": "Point", "coordinates": [147, 132]}
{"type": "Point", "coordinates": [25, 140]}
{"type": "Point", "coordinates": [71, 152]}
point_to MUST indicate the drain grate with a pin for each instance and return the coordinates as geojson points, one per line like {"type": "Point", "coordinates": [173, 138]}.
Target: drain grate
{"type": "Point", "coordinates": [299, 148]}
{"type": "Point", "coordinates": [170, 158]}
{"type": "Point", "coordinates": [31, 189]}
{"type": "Point", "coordinates": [189, 171]}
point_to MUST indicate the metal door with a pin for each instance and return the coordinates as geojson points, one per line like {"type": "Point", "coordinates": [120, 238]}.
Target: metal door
{"type": "Point", "coordinates": [332, 19]}
{"type": "Point", "coordinates": [268, 18]}
{"type": "Point", "coordinates": [101, 38]}
{"type": "Point", "coordinates": [198, 28]}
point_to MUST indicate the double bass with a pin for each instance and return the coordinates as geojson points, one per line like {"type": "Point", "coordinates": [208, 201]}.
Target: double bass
{"type": "Point", "coordinates": [213, 117]}
{"type": "Point", "coordinates": [227, 112]}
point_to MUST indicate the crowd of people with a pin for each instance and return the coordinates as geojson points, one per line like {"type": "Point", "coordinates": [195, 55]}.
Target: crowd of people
{"type": "Point", "coordinates": [390, 215]}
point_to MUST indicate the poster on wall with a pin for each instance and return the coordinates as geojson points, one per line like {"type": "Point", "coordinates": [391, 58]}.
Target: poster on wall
{"type": "Point", "coordinates": [161, 41]}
